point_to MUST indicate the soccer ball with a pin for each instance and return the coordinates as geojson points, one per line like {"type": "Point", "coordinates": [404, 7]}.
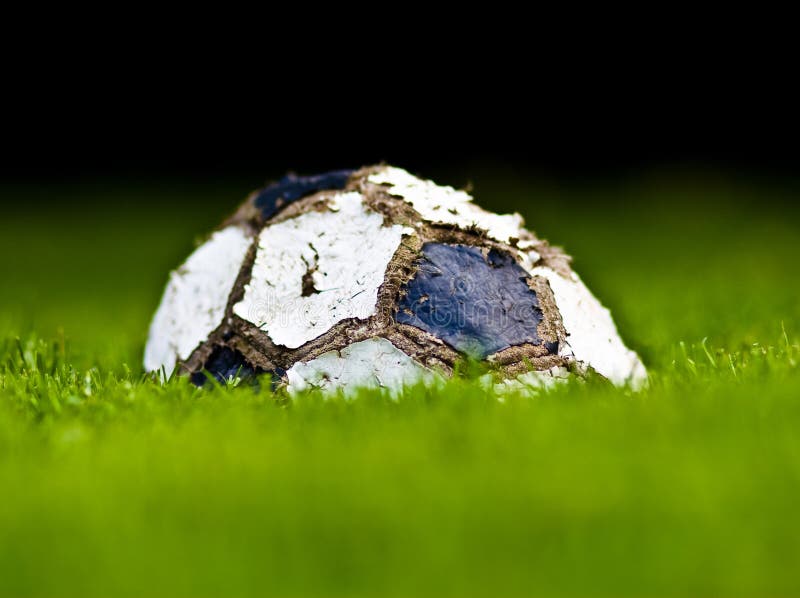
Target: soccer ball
{"type": "Point", "coordinates": [375, 277]}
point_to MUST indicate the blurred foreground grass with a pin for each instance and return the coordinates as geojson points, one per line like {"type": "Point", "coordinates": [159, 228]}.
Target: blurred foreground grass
{"type": "Point", "coordinates": [111, 485]}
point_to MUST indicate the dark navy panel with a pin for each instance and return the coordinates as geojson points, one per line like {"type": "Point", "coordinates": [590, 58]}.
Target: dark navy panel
{"type": "Point", "coordinates": [291, 188]}
{"type": "Point", "coordinates": [223, 363]}
{"type": "Point", "coordinates": [477, 304]}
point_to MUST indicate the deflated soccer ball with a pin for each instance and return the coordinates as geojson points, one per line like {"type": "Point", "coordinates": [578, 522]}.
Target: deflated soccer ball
{"type": "Point", "coordinates": [375, 277]}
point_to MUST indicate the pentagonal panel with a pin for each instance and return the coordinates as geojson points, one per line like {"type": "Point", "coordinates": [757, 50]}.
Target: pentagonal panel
{"type": "Point", "coordinates": [476, 300]}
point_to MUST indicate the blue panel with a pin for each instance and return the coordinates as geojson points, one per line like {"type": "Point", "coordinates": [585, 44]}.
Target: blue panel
{"type": "Point", "coordinates": [291, 188]}
{"type": "Point", "coordinates": [224, 363]}
{"type": "Point", "coordinates": [477, 304]}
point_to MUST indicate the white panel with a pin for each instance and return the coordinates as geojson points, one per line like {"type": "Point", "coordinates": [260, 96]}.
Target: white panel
{"type": "Point", "coordinates": [592, 336]}
{"type": "Point", "coordinates": [346, 249]}
{"type": "Point", "coordinates": [371, 363]}
{"type": "Point", "coordinates": [445, 205]}
{"type": "Point", "coordinates": [194, 301]}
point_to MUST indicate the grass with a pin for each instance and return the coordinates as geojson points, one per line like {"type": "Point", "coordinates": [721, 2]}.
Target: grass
{"type": "Point", "coordinates": [113, 485]}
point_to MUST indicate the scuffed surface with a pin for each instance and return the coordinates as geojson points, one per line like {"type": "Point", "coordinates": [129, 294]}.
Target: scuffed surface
{"type": "Point", "coordinates": [343, 253]}
{"type": "Point", "coordinates": [445, 205]}
{"type": "Point", "coordinates": [333, 267]}
{"type": "Point", "coordinates": [530, 383]}
{"type": "Point", "coordinates": [292, 187]}
{"type": "Point", "coordinates": [371, 363]}
{"type": "Point", "coordinates": [478, 304]}
{"type": "Point", "coordinates": [194, 301]}
{"type": "Point", "coordinates": [592, 337]}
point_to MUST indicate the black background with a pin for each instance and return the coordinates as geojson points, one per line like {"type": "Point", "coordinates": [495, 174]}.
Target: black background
{"type": "Point", "coordinates": [73, 119]}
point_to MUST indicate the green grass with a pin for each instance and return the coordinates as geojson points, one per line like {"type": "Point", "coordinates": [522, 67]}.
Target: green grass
{"type": "Point", "coordinates": [113, 485]}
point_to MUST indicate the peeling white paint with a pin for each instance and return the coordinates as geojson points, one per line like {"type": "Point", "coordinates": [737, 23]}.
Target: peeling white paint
{"type": "Point", "coordinates": [347, 249]}
{"type": "Point", "coordinates": [373, 363]}
{"type": "Point", "coordinates": [533, 382]}
{"type": "Point", "coordinates": [592, 337]}
{"type": "Point", "coordinates": [194, 301]}
{"type": "Point", "coordinates": [528, 259]}
{"type": "Point", "coordinates": [445, 205]}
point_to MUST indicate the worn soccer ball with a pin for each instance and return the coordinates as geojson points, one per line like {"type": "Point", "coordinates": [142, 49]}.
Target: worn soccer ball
{"type": "Point", "coordinates": [375, 277]}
